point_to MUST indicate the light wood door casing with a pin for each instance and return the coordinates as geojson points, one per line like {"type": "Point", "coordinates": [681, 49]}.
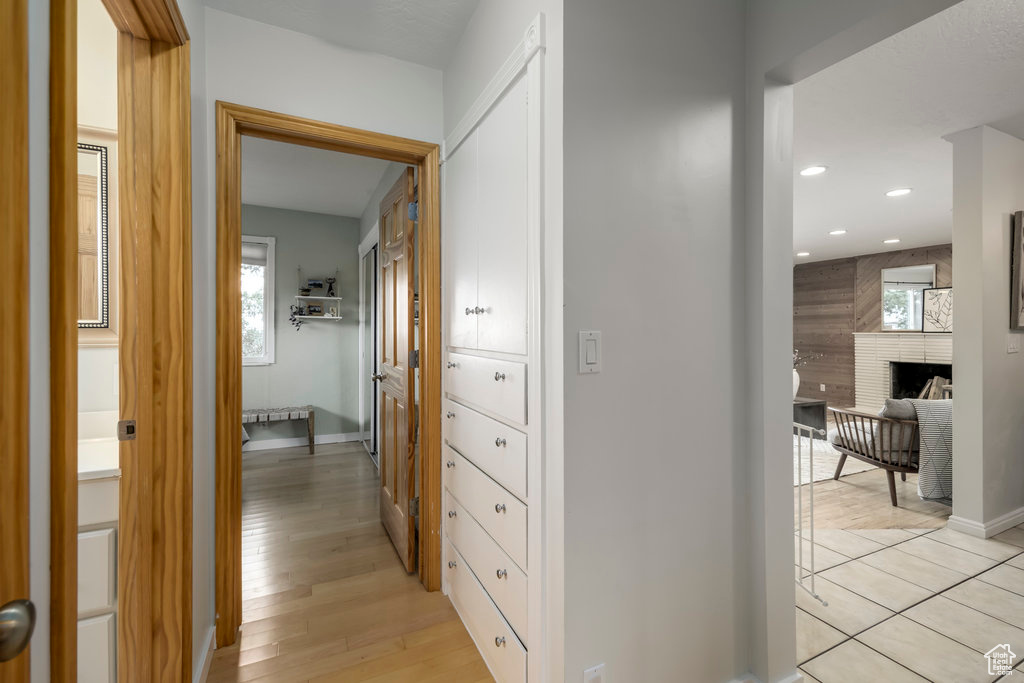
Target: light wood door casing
{"type": "Point", "coordinates": [398, 402]}
{"type": "Point", "coordinates": [14, 339]}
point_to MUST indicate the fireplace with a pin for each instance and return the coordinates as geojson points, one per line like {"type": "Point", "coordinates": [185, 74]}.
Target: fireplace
{"type": "Point", "coordinates": [908, 379]}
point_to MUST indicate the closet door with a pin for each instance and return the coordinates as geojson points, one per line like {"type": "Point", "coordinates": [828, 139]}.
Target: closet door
{"type": "Point", "coordinates": [502, 288]}
{"type": "Point", "coordinates": [460, 235]}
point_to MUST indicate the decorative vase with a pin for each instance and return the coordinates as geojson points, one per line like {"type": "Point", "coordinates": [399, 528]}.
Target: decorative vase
{"type": "Point", "coordinates": [796, 382]}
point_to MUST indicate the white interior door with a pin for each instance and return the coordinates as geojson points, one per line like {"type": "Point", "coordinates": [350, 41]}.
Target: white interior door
{"type": "Point", "coordinates": [501, 225]}
{"type": "Point", "coordinates": [460, 225]}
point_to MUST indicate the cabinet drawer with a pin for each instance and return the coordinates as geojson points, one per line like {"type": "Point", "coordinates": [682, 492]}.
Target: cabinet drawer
{"type": "Point", "coordinates": [495, 385]}
{"type": "Point", "coordinates": [97, 501]}
{"type": "Point", "coordinates": [97, 653]}
{"type": "Point", "coordinates": [500, 513]}
{"type": "Point", "coordinates": [500, 648]}
{"type": "Point", "coordinates": [97, 571]}
{"type": "Point", "coordinates": [504, 582]}
{"type": "Point", "coordinates": [496, 448]}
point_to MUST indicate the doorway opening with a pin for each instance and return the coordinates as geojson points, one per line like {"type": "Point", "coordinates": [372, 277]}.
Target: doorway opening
{"type": "Point", "coordinates": [891, 207]}
{"type": "Point", "coordinates": [408, 353]}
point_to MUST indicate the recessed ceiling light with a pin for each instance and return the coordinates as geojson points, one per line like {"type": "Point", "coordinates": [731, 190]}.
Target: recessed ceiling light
{"type": "Point", "coordinates": [898, 192]}
{"type": "Point", "coordinates": [837, 232]}
{"type": "Point", "coordinates": [803, 253]}
{"type": "Point", "coordinates": [813, 170]}
{"type": "Point", "coordinates": [894, 240]}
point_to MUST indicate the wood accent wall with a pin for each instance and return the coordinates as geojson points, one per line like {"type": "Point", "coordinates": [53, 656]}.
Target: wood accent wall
{"type": "Point", "coordinates": [834, 299]}
{"type": "Point", "coordinates": [869, 278]}
{"type": "Point", "coordinates": [823, 325]}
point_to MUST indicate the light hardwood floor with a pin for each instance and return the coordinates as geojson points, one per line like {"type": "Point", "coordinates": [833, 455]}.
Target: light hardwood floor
{"type": "Point", "coordinates": [325, 597]}
{"type": "Point", "coordinates": [861, 501]}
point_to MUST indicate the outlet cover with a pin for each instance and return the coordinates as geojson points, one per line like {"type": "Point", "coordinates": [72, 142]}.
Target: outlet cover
{"type": "Point", "coordinates": [1012, 343]}
{"type": "Point", "coordinates": [595, 674]}
{"type": "Point", "coordinates": [821, 387]}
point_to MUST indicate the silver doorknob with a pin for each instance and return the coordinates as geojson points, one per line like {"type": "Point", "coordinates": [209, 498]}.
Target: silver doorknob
{"type": "Point", "coordinates": [499, 641]}
{"type": "Point", "coordinates": [451, 564]}
{"type": "Point", "coordinates": [378, 377]}
{"type": "Point", "coordinates": [450, 414]}
{"type": "Point", "coordinates": [452, 365]}
{"type": "Point", "coordinates": [499, 377]}
{"type": "Point", "coordinates": [470, 311]}
{"type": "Point", "coordinates": [502, 573]}
{"type": "Point", "coordinates": [17, 621]}
{"type": "Point", "coordinates": [451, 464]}
{"type": "Point", "coordinates": [451, 513]}
{"type": "Point", "coordinates": [499, 508]}
{"type": "Point", "coordinates": [499, 442]}
{"type": "Point", "coordinates": [479, 310]}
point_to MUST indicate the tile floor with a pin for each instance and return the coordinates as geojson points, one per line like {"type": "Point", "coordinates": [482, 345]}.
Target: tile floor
{"type": "Point", "coordinates": [908, 605]}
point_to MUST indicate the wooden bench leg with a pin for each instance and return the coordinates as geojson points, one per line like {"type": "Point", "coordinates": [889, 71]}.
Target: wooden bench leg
{"type": "Point", "coordinates": [312, 433]}
{"type": "Point", "coordinates": [839, 467]}
{"type": "Point", "coordinates": [903, 476]}
{"type": "Point", "coordinates": [892, 486]}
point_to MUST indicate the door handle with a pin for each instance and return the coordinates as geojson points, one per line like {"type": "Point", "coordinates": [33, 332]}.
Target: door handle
{"type": "Point", "coordinates": [17, 621]}
{"type": "Point", "coordinates": [378, 377]}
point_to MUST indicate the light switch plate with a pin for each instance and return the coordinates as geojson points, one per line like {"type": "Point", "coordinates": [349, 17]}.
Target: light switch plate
{"type": "Point", "coordinates": [821, 387]}
{"type": "Point", "coordinates": [590, 352]}
{"type": "Point", "coordinates": [594, 674]}
{"type": "Point", "coordinates": [1013, 343]}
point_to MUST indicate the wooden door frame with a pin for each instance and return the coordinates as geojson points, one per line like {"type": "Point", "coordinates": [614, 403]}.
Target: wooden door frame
{"type": "Point", "coordinates": [14, 319]}
{"type": "Point", "coordinates": [155, 520]}
{"type": "Point", "coordinates": [234, 121]}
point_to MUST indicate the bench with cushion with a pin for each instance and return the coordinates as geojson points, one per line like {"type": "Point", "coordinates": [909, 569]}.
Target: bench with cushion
{"type": "Point", "coordinates": [266, 415]}
{"type": "Point", "coordinates": [890, 441]}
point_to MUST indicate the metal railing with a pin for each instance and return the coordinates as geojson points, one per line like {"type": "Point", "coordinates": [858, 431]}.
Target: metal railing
{"type": "Point", "coordinates": [808, 433]}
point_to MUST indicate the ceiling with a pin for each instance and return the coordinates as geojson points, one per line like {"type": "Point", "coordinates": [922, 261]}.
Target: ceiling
{"type": "Point", "coordinates": [877, 120]}
{"type": "Point", "coordinates": [421, 31]}
{"type": "Point", "coordinates": [288, 176]}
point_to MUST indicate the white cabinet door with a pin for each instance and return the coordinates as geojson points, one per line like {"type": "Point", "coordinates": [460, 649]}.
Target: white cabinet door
{"type": "Point", "coordinates": [502, 289]}
{"type": "Point", "coordinates": [97, 656]}
{"type": "Point", "coordinates": [461, 222]}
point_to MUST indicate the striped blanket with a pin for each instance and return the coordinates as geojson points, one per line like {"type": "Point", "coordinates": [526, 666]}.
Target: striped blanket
{"type": "Point", "coordinates": [935, 478]}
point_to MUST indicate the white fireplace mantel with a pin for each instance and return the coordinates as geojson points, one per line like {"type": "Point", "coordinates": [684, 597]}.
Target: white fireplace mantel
{"type": "Point", "coordinates": [874, 351]}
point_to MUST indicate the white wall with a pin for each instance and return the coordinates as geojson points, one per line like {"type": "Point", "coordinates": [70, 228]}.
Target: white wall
{"type": "Point", "coordinates": [988, 185]}
{"type": "Point", "coordinates": [319, 363]}
{"type": "Point", "coordinates": [790, 39]}
{"type": "Point", "coordinates": [655, 523]}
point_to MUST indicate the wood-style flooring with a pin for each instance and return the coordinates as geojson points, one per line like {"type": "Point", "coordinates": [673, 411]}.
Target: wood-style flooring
{"type": "Point", "coordinates": [325, 597]}
{"type": "Point", "coordinates": [861, 501]}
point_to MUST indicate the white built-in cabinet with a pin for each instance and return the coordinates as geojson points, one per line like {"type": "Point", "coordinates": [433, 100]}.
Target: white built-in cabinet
{"type": "Point", "coordinates": [492, 452]}
{"type": "Point", "coordinates": [486, 231]}
{"type": "Point", "coordinates": [97, 579]}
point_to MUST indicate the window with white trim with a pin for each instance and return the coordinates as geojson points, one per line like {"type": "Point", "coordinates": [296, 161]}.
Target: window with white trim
{"type": "Point", "coordinates": [257, 300]}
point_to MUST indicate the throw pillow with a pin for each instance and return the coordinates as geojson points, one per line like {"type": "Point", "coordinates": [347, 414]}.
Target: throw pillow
{"type": "Point", "coordinates": [898, 409]}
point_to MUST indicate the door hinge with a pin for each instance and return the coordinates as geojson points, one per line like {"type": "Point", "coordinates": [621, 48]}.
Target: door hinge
{"type": "Point", "coordinates": [414, 358]}
{"type": "Point", "coordinates": [126, 430]}
{"type": "Point", "coordinates": [414, 506]}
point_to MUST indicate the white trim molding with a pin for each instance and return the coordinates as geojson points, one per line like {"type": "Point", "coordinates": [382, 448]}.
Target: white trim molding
{"type": "Point", "coordinates": [371, 239]}
{"type": "Point", "coordinates": [202, 671]}
{"type": "Point", "coordinates": [531, 43]}
{"type": "Point", "coordinates": [986, 529]}
{"type": "Point", "coordinates": [294, 442]}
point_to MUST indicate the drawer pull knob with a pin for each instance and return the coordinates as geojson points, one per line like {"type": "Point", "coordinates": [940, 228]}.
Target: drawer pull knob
{"type": "Point", "coordinates": [452, 364]}
{"type": "Point", "coordinates": [452, 564]}
{"type": "Point", "coordinates": [450, 414]}
{"type": "Point", "coordinates": [450, 464]}
{"type": "Point", "coordinates": [470, 311]}
{"type": "Point", "coordinates": [499, 641]}
{"type": "Point", "coordinates": [502, 573]}
{"type": "Point", "coordinates": [451, 514]}
{"type": "Point", "coordinates": [499, 442]}
{"type": "Point", "coordinates": [479, 310]}
{"type": "Point", "coordinates": [499, 508]}
{"type": "Point", "coordinates": [499, 377]}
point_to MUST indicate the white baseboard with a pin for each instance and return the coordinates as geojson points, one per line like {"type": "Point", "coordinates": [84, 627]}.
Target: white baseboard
{"type": "Point", "coordinates": [269, 444]}
{"type": "Point", "coordinates": [986, 529]}
{"type": "Point", "coordinates": [795, 677]}
{"type": "Point", "coordinates": [203, 670]}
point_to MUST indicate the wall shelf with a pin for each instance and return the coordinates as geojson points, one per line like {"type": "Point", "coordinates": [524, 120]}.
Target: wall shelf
{"type": "Point", "coordinates": [318, 317]}
{"type": "Point", "coordinates": [318, 298]}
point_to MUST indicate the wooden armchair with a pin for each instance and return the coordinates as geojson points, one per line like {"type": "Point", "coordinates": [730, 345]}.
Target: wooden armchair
{"type": "Point", "coordinates": [893, 445]}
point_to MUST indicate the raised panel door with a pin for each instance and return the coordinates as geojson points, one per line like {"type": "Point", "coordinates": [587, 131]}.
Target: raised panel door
{"type": "Point", "coordinates": [461, 239]}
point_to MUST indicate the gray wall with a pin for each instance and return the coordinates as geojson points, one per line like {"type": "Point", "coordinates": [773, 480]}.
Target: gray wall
{"type": "Point", "coordinates": [317, 364]}
{"type": "Point", "coordinates": [653, 141]}
{"type": "Point", "coordinates": [371, 215]}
